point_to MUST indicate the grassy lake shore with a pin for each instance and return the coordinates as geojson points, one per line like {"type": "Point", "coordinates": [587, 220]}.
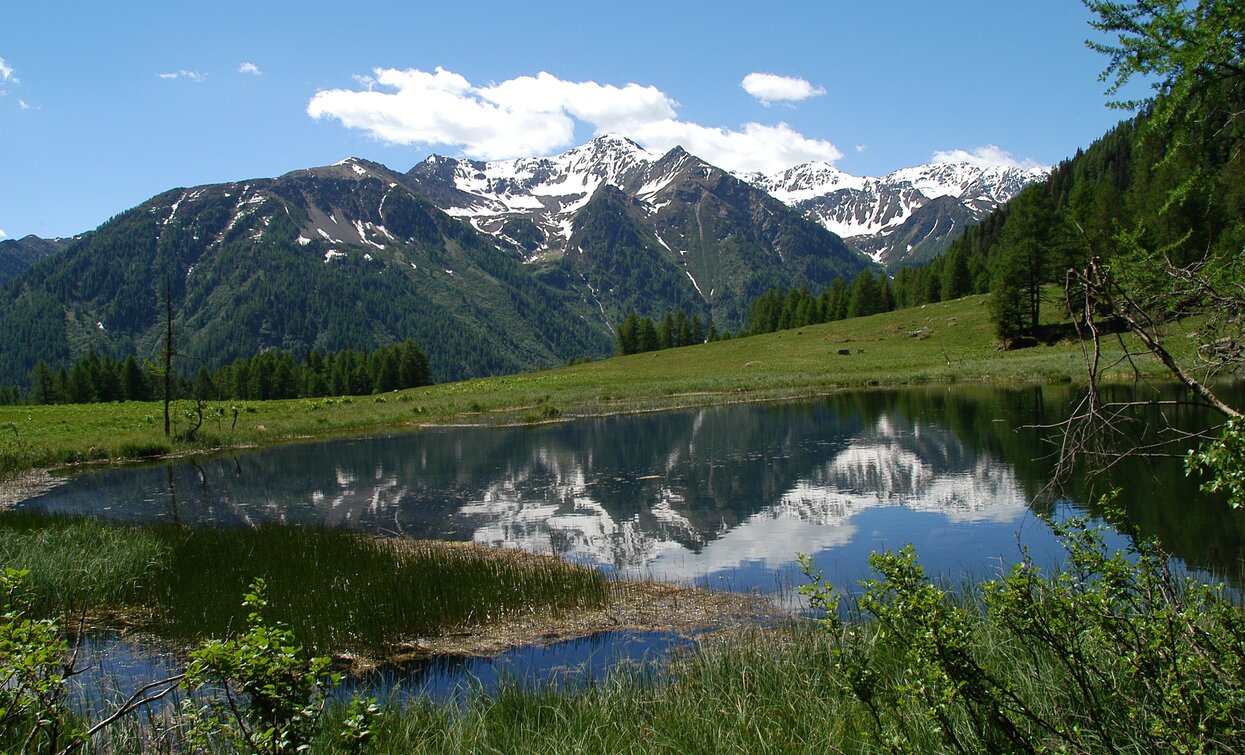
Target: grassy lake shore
{"type": "Point", "coordinates": [938, 343]}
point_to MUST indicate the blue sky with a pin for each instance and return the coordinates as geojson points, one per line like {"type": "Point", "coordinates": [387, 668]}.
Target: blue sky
{"type": "Point", "coordinates": [104, 105]}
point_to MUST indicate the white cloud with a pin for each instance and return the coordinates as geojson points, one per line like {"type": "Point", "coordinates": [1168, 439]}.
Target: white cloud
{"type": "Point", "coordinates": [535, 115]}
{"type": "Point", "coordinates": [770, 88]}
{"type": "Point", "coordinates": [250, 68]}
{"type": "Point", "coordinates": [988, 156]}
{"type": "Point", "coordinates": [23, 104]}
{"type": "Point", "coordinates": [757, 147]}
{"type": "Point", "coordinates": [3, 235]}
{"type": "Point", "coordinates": [861, 148]}
{"type": "Point", "coordinates": [6, 77]}
{"type": "Point", "coordinates": [194, 76]}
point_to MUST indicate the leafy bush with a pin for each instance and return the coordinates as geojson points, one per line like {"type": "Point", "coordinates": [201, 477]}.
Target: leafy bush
{"type": "Point", "coordinates": [267, 698]}
{"type": "Point", "coordinates": [1111, 653]}
{"type": "Point", "coordinates": [1224, 461]}
{"type": "Point", "coordinates": [34, 665]}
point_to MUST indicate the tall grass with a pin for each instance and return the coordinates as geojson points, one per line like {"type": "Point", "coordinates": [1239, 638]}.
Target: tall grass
{"type": "Point", "coordinates": [336, 590]}
{"type": "Point", "coordinates": [765, 692]}
{"type": "Point", "coordinates": [80, 563]}
{"type": "Point", "coordinates": [340, 591]}
{"type": "Point", "coordinates": [959, 676]}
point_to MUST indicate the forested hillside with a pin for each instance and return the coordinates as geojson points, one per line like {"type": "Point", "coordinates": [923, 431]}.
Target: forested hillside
{"type": "Point", "coordinates": [1156, 195]}
{"type": "Point", "coordinates": [355, 256]}
{"type": "Point", "coordinates": [328, 259]}
{"type": "Point", "coordinates": [18, 255]}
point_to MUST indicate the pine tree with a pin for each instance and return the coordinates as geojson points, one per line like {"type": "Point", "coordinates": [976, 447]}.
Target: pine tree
{"type": "Point", "coordinates": [666, 332]}
{"type": "Point", "coordinates": [204, 387]}
{"type": "Point", "coordinates": [628, 332]}
{"type": "Point", "coordinates": [1021, 265]}
{"type": "Point", "coordinates": [43, 384]}
{"type": "Point", "coordinates": [646, 336]}
{"type": "Point", "coordinates": [866, 295]}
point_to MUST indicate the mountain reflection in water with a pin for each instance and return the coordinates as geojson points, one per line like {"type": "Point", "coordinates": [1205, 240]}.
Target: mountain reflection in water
{"type": "Point", "coordinates": [726, 492]}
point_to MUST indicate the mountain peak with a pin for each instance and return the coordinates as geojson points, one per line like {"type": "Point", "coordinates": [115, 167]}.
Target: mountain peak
{"type": "Point", "coordinates": [617, 140]}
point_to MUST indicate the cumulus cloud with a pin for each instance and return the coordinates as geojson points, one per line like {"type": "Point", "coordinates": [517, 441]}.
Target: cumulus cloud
{"type": "Point", "coordinates": [194, 76]}
{"type": "Point", "coordinates": [250, 68]}
{"type": "Point", "coordinates": [534, 115]}
{"type": "Point", "coordinates": [988, 156]}
{"type": "Point", "coordinates": [770, 88]}
{"type": "Point", "coordinates": [3, 235]}
{"type": "Point", "coordinates": [757, 147]}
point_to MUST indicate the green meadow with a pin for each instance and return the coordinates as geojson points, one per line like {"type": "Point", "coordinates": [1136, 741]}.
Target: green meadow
{"type": "Point", "coordinates": [945, 342]}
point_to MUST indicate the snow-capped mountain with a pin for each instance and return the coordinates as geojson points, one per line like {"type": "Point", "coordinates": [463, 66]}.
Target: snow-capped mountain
{"type": "Point", "coordinates": [906, 217]}
{"type": "Point", "coordinates": [895, 218]}
{"type": "Point", "coordinates": [620, 224]}
{"type": "Point", "coordinates": [491, 267]}
{"type": "Point", "coordinates": [547, 191]}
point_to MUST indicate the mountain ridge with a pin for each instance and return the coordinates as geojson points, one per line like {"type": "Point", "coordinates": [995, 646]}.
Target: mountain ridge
{"type": "Point", "coordinates": [356, 255]}
{"type": "Point", "coordinates": [884, 216]}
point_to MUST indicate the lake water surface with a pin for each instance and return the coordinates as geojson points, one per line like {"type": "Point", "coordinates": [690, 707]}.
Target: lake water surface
{"type": "Point", "coordinates": [724, 496]}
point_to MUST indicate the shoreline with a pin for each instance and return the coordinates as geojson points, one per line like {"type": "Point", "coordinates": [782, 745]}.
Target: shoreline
{"type": "Point", "coordinates": [27, 484]}
{"type": "Point", "coordinates": [647, 606]}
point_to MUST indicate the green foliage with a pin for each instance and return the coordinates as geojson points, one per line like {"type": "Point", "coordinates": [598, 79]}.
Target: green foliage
{"type": "Point", "coordinates": [1176, 45]}
{"type": "Point", "coordinates": [777, 309]}
{"type": "Point", "coordinates": [637, 335]}
{"type": "Point", "coordinates": [264, 696]}
{"type": "Point", "coordinates": [1111, 653]}
{"type": "Point", "coordinates": [34, 666]}
{"type": "Point", "coordinates": [273, 374]}
{"type": "Point", "coordinates": [1223, 460]}
{"type": "Point", "coordinates": [336, 590]}
{"type": "Point", "coordinates": [1160, 198]}
{"type": "Point", "coordinates": [1022, 264]}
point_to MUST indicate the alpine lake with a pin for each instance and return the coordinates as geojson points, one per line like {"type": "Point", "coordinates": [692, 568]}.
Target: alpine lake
{"type": "Point", "coordinates": [724, 498]}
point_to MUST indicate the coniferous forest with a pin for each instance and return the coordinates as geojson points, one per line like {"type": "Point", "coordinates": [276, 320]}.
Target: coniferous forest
{"type": "Point", "coordinates": [274, 374]}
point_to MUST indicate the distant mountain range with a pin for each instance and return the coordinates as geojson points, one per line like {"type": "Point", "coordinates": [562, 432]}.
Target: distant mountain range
{"type": "Point", "coordinates": [905, 218]}
{"type": "Point", "coordinates": [902, 219]}
{"type": "Point", "coordinates": [493, 268]}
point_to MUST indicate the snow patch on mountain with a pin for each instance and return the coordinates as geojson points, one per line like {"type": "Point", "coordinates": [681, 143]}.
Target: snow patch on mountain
{"type": "Point", "coordinates": [865, 210]}
{"type": "Point", "coordinates": [546, 190]}
{"type": "Point", "coordinates": [865, 206]}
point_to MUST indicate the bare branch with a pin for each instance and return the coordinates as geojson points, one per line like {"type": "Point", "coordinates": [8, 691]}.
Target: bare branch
{"type": "Point", "coordinates": [136, 701]}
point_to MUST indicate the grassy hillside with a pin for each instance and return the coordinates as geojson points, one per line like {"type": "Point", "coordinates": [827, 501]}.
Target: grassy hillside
{"type": "Point", "coordinates": [945, 342]}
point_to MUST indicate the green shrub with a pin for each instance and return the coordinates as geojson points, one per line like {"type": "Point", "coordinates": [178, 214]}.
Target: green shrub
{"type": "Point", "coordinates": [1111, 653]}
{"type": "Point", "coordinates": [34, 665]}
{"type": "Point", "coordinates": [264, 696]}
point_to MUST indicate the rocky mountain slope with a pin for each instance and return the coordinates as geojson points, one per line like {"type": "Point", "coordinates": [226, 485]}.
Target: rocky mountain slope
{"type": "Point", "coordinates": [629, 225]}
